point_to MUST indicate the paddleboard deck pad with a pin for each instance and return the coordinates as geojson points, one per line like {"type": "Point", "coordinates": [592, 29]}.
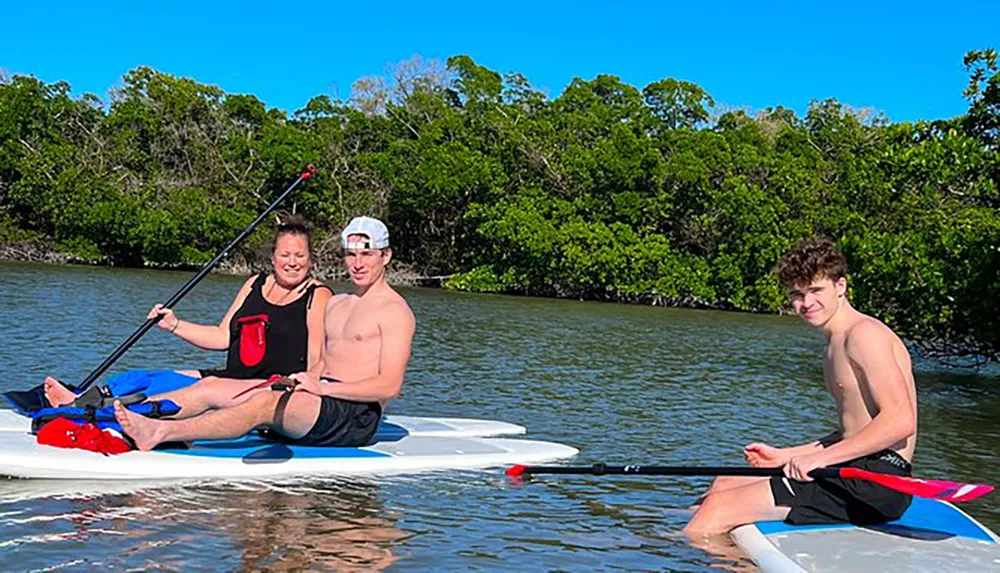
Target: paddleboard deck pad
{"type": "Point", "coordinates": [932, 536]}
{"type": "Point", "coordinates": [391, 426]}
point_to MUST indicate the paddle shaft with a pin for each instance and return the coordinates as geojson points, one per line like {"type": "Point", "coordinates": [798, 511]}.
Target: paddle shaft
{"type": "Point", "coordinates": [142, 330]}
{"type": "Point", "coordinates": [704, 471]}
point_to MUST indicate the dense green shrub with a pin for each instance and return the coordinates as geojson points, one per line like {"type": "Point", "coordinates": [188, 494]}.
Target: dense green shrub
{"type": "Point", "coordinates": [605, 192]}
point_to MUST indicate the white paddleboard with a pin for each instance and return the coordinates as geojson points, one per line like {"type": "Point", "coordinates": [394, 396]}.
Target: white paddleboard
{"type": "Point", "coordinates": [21, 456]}
{"type": "Point", "coordinates": [931, 537]}
{"type": "Point", "coordinates": [11, 421]}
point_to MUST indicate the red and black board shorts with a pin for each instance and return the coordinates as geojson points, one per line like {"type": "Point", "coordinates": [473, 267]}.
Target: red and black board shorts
{"type": "Point", "coordinates": [836, 500]}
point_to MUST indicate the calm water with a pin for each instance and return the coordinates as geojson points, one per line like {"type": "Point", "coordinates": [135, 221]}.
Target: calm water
{"type": "Point", "coordinates": [621, 383]}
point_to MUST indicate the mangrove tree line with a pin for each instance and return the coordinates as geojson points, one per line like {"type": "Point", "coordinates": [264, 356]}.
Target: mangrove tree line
{"type": "Point", "coordinates": [607, 191]}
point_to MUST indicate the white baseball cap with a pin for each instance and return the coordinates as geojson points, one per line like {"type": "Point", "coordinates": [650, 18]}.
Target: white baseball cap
{"type": "Point", "coordinates": [375, 230]}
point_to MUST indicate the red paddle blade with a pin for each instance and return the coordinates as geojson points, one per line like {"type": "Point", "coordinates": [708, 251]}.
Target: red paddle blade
{"type": "Point", "coordinates": [933, 489]}
{"type": "Point", "coordinates": [515, 471]}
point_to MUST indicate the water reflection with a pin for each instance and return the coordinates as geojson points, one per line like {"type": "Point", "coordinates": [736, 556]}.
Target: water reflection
{"type": "Point", "coordinates": [325, 526]}
{"type": "Point", "coordinates": [624, 384]}
{"type": "Point", "coordinates": [254, 526]}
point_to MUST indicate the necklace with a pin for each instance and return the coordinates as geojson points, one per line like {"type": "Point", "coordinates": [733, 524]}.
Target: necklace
{"type": "Point", "coordinates": [287, 292]}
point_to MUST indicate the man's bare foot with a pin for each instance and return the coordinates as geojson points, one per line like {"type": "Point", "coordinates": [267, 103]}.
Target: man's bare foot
{"type": "Point", "coordinates": [145, 432]}
{"type": "Point", "coordinates": [57, 394]}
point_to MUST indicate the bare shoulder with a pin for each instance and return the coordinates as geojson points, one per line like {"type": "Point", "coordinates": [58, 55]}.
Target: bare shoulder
{"type": "Point", "coordinates": [318, 298]}
{"type": "Point", "coordinates": [337, 299]}
{"type": "Point", "coordinates": [321, 291]}
{"type": "Point", "coordinates": [246, 288]}
{"type": "Point", "coordinates": [314, 282]}
{"type": "Point", "coordinates": [393, 306]}
{"type": "Point", "coordinates": [868, 335]}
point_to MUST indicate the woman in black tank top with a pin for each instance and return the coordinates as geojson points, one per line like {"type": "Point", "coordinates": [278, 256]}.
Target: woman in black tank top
{"type": "Point", "coordinates": [275, 324]}
{"type": "Point", "coordinates": [280, 331]}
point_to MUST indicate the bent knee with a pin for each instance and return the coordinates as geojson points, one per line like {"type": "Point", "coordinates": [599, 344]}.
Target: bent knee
{"type": "Point", "coordinates": [710, 503]}
{"type": "Point", "coordinates": [206, 384]}
{"type": "Point", "coordinates": [209, 381]}
{"type": "Point", "coordinates": [724, 482]}
{"type": "Point", "coordinates": [710, 518]}
{"type": "Point", "coordinates": [707, 521]}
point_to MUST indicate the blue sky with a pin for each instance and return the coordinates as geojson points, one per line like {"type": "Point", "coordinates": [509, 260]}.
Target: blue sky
{"type": "Point", "coordinates": [903, 58]}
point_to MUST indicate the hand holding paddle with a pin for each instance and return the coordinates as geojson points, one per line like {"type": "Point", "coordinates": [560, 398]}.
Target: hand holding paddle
{"type": "Point", "coordinates": [142, 330]}
{"type": "Point", "coordinates": [933, 489]}
{"type": "Point", "coordinates": [760, 455]}
{"type": "Point", "coordinates": [164, 317]}
{"type": "Point", "coordinates": [800, 468]}
{"type": "Point", "coordinates": [306, 382]}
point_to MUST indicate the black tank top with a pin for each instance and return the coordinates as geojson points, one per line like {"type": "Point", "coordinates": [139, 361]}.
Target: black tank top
{"type": "Point", "coordinates": [286, 335]}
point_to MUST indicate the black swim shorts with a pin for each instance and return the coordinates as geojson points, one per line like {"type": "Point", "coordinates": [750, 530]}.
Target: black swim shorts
{"type": "Point", "coordinates": [836, 500]}
{"type": "Point", "coordinates": [341, 423]}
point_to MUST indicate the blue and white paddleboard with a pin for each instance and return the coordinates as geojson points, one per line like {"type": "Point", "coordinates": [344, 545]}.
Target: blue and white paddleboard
{"type": "Point", "coordinates": [932, 537]}
{"type": "Point", "coordinates": [21, 456]}
{"type": "Point", "coordinates": [11, 421]}
{"type": "Point", "coordinates": [402, 444]}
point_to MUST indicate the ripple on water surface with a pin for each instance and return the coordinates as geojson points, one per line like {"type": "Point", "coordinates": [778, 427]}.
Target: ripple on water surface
{"type": "Point", "coordinates": [624, 384]}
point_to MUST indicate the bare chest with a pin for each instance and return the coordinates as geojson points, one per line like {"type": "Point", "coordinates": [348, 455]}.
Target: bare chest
{"type": "Point", "coordinates": [350, 324]}
{"type": "Point", "coordinates": [841, 379]}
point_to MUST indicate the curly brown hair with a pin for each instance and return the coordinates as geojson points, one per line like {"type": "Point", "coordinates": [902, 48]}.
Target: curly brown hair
{"type": "Point", "coordinates": [809, 259]}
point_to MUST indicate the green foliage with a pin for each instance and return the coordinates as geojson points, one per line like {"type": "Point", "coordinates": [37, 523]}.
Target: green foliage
{"type": "Point", "coordinates": [604, 192]}
{"type": "Point", "coordinates": [479, 279]}
{"type": "Point", "coordinates": [81, 248]}
{"type": "Point", "coordinates": [983, 93]}
{"type": "Point", "coordinates": [678, 104]}
{"type": "Point", "coordinates": [11, 233]}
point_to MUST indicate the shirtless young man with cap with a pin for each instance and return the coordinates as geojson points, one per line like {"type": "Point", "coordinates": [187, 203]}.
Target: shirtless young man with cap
{"type": "Point", "coordinates": [339, 403]}
{"type": "Point", "coordinates": [867, 370]}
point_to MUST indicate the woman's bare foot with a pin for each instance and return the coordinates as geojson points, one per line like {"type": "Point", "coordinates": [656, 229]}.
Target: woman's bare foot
{"type": "Point", "coordinates": [145, 432]}
{"type": "Point", "coordinates": [57, 394]}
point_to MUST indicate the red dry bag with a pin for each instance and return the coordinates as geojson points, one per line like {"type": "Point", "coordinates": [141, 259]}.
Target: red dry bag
{"type": "Point", "coordinates": [253, 338]}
